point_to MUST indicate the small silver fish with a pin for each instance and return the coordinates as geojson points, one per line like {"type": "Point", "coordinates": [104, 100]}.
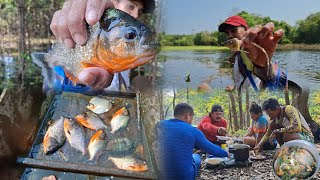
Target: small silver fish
{"type": "Point", "coordinates": [75, 134]}
{"type": "Point", "coordinates": [54, 137]}
{"type": "Point", "coordinates": [99, 105]}
{"type": "Point", "coordinates": [97, 144]}
{"type": "Point", "coordinates": [119, 120]}
{"type": "Point", "coordinates": [91, 121]}
{"type": "Point", "coordinates": [130, 164]}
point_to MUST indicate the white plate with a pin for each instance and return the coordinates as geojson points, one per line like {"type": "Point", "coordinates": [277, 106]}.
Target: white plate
{"type": "Point", "coordinates": [224, 138]}
{"type": "Point", "coordinates": [214, 161]}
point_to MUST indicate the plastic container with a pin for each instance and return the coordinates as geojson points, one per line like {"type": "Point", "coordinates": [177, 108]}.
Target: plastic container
{"type": "Point", "coordinates": [302, 144]}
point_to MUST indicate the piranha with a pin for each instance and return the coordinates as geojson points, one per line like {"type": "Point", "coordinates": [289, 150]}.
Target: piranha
{"type": "Point", "coordinates": [119, 120]}
{"type": "Point", "coordinates": [91, 121]}
{"type": "Point", "coordinates": [97, 144]}
{"type": "Point", "coordinates": [75, 134]}
{"type": "Point", "coordinates": [54, 137]}
{"type": "Point", "coordinates": [118, 42]}
{"type": "Point", "coordinates": [121, 146]}
{"type": "Point", "coordinates": [130, 164]}
{"type": "Point", "coordinates": [99, 105]}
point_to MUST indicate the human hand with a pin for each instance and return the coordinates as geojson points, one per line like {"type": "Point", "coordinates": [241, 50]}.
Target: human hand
{"type": "Point", "coordinates": [257, 148]}
{"type": "Point", "coordinates": [95, 77]}
{"type": "Point", "coordinates": [51, 177]}
{"type": "Point", "coordinates": [272, 136]}
{"type": "Point", "coordinates": [264, 37]}
{"type": "Point", "coordinates": [69, 23]}
{"type": "Point", "coordinates": [222, 131]}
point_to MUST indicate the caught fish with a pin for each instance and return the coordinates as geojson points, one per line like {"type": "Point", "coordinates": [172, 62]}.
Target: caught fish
{"type": "Point", "coordinates": [121, 146]}
{"type": "Point", "coordinates": [130, 164]}
{"type": "Point", "coordinates": [97, 144]}
{"type": "Point", "coordinates": [54, 137]}
{"type": "Point", "coordinates": [91, 121]}
{"type": "Point", "coordinates": [75, 134]}
{"type": "Point", "coordinates": [119, 120]}
{"type": "Point", "coordinates": [116, 43]}
{"type": "Point", "coordinates": [99, 105]}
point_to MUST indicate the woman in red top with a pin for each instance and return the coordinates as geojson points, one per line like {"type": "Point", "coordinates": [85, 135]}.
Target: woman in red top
{"type": "Point", "coordinates": [214, 124]}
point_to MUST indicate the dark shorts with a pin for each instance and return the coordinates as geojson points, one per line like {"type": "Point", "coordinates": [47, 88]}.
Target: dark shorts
{"type": "Point", "coordinates": [268, 146]}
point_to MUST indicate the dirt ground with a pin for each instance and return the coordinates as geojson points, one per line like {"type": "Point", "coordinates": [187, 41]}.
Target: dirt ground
{"type": "Point", "coordinates": [259, 170]}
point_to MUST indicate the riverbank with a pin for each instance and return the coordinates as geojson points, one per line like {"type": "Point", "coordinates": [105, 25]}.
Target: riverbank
{"type": "Point", "coordinates": [286, 47]}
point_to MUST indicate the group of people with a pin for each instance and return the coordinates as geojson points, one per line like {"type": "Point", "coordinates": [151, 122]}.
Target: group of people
{"type": "Point", "coordinates": [178, 138]}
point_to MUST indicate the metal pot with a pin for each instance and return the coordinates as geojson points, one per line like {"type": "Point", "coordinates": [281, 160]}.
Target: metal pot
{"type": "Point", "coordinates": [240, 151]}
{"type": "Point", "coordinates": [311, 148]}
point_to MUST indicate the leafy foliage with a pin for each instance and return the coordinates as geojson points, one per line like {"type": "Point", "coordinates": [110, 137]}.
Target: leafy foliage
{"type": "Point", "coordinates": [306, 31]}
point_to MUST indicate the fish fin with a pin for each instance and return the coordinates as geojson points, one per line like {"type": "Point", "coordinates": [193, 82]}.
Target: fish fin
{"type": "Point", "coordinates": [138, 167]}
{"type": "Point", "coordinates": [72, 78]}
{"type": "Point", "coordinates": [47, 72]}
{"type": "Point", "coordinates": [83, 121]}
{"type": "Point", "coordinates": [119, 112]}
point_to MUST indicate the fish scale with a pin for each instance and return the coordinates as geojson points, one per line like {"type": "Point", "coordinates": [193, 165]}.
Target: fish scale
{"type": "Point", "coordinates": [75, 134]}
{"type": "Point", "coordinates": [108, 46]}
{"type": "Point", "coordinates": [54, 137]}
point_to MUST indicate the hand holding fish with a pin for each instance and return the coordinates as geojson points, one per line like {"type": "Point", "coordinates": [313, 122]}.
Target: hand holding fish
{"type": "Point", "coordinates": [259, 43]}
{"type": "Point", "coordinates": [69, 23]}
{"type": "Point", "coordinates": [265, 38]}
{"type": "Point", "coordinates": [69, 27]}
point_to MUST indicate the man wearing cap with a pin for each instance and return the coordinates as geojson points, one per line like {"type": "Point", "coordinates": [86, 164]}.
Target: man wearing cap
{"type": "Point", "coordinates": [214, 124]}
{"type": "Point", "coordinates": [253, 67]}
{"type": "Point", "coordinates": [69, 26]}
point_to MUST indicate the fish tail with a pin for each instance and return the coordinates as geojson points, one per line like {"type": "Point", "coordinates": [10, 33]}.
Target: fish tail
{"type": "Point", "coordinates": [47, 72]}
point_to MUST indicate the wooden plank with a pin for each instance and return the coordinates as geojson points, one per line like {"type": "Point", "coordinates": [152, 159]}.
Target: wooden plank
{"type": "Point", "coordinates": [82, 168]}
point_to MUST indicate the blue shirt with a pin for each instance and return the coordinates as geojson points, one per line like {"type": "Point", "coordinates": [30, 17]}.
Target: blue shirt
{"type": "Point", "coordinates": [177, 139]}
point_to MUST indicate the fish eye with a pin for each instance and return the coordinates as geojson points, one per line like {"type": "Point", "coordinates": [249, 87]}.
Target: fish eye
{"type": "Point", "coordinates": [130, 34]}
{"type": "Point", "coordinates": [142, 28]}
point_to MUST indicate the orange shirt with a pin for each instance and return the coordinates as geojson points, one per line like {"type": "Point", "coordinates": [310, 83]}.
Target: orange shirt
{"type": "Point", "coordinates": [210, 129]}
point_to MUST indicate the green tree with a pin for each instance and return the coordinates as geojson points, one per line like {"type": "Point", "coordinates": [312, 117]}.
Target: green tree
{"type": "Point", "coordinates": [308, 30]}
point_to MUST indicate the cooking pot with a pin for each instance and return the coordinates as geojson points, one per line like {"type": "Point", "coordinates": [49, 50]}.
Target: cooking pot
{"type": "Point", "coordinates": [240, 151]}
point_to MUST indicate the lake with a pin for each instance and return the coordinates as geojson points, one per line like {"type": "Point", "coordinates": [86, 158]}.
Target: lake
{"type": "Point", "coordinates": [211, 67]}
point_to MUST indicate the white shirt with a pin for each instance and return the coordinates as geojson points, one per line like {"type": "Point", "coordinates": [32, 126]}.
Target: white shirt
{"type": "Point", "coordinates": [115, 81]}
{"type": "Point", "coordinates": [238, 78]}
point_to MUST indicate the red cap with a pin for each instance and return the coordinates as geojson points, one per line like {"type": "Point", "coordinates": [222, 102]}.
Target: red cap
{"type": "Point", "coordinates": [233, 21]}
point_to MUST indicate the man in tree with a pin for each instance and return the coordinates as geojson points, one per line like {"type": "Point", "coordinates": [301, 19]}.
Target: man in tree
{"type": "Point", "coordinates": [286, 124]}
{"type": "Point", "coordinates": [252, 60]}
{"type": "Point", "coordinates": [214, 124]}
{"type": "Point", "coordinates": [177, 139]}
{"type": "Point", "coordinates": [69, 26]}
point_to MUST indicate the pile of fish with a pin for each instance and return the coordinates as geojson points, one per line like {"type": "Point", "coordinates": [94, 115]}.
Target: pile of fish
{"type": "Point", "coordinates": [106, 138]}
{"type": "Point", "coordinates": [294, 163]}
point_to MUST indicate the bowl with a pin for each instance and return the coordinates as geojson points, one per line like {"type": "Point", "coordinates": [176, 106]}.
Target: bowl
{"type": "Point", "coordinates": [296, 153]}
{"type": "Point", "coordinates": [213, 161]}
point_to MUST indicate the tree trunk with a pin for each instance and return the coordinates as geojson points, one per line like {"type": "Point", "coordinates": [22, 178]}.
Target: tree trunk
{"type": "Point", "coordinates": [230, 117]}
{"type": "Point", "coordinates": [161, 103]}
{"type": "Point", "coordinates": [286, 94]}
{"type": "Point", "coordinates": [22, 43]}
{"type": "Point", "coordinates": [300, 101]}
{"type": "Point", "coordinates": [247, 109]}
{"type": "Point", "coordinates": [240, 109]}
{"type": "Point", "coordinates": [234, 111]}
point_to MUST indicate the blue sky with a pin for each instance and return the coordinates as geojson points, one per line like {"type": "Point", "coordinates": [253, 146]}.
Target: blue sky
{"type": "Point", "coordinates": [192, 16]}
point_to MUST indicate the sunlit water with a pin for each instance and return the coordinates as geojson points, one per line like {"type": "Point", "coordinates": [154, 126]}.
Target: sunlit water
{"type": "Point", "coordinates": [210, 67]}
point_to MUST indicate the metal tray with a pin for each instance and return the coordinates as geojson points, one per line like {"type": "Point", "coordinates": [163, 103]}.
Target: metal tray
{"type": "Point", "coordinates": [68, 159]}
